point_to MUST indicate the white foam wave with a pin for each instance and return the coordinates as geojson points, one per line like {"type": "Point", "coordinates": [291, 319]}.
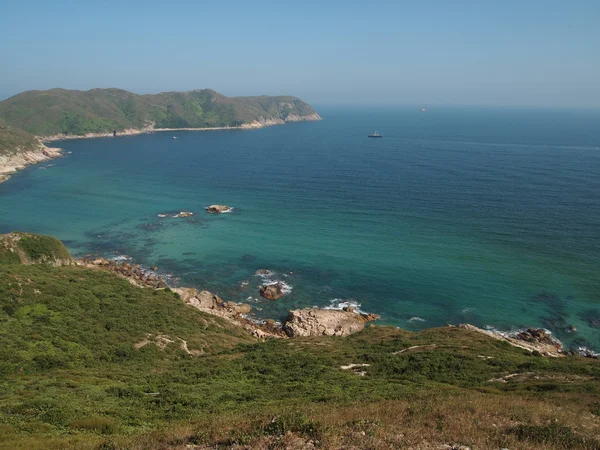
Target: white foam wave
{"type": "Point", "coordinates": [121, 258]}
{"type": "Point", "coordinates": [340, 303]}
{"type": "Point", "coordinates": [416, 319]}
{"type": "Point", "coordinates": [264, 273]}
{"type": "Point", "coordinates": [586, 352]}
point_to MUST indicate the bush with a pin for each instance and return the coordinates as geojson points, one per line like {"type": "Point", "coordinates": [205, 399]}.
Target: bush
{"type": "Point", "coordinates": [98, 424]}
{"type": "Point", "coordinates": [43, 248]}
{"type": "Point", "coordinates": [556, 435]}
{"type": "Point", "coordinates": [294, 423]}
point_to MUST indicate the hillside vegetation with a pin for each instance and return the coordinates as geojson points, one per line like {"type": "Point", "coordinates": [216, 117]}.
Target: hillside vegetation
{"type": "Point", "coordinates": [14, 140]}
{"type": "Point", "coordinates": [88, 361]}
{"type": "Point", "coordinates": [61, 111]}
{"type": "Point", "coordinates": [28, 248]}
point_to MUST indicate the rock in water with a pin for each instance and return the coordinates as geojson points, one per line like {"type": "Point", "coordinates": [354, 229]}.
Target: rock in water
{"type": "Point", "coordinates": [325, 322]}
{"type": "Point", "coordinates": [184, 214]}
{"type": "Point", "coordinates": [271, 291]}
{"type": "Point", "coordinates": [263, 272]}
{"type": "Point", "coordinates": [218, 209]}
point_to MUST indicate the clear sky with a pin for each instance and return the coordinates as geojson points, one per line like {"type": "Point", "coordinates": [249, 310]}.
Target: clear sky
{"type": "Point", "coordinates": [525, 52]}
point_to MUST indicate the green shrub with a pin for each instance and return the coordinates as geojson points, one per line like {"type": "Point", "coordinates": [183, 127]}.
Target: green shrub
{"type": "Point", "coordinates": [555, 434]}
{"type": "Point", "coordinates": [43, 248]}
{"type": "Point", "coordinates": [98, 424]}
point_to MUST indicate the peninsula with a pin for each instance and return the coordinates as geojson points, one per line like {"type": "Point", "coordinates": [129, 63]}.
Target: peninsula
{"type": "Point", "coordinates": [31, 118]}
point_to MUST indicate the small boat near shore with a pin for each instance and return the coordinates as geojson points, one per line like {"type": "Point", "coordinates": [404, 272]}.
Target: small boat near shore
{"type": "Point", "coordinates": [375, 135]}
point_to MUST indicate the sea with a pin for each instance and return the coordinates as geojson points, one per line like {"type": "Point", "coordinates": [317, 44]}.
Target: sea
{"type": "Point", "coordinates": [457, 215]}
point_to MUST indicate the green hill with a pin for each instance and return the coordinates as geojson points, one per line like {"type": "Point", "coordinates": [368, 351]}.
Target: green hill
{"type": "Point", "coordinates": [88, 361]}
{"type": "Point", "coordinates": [61, 111]}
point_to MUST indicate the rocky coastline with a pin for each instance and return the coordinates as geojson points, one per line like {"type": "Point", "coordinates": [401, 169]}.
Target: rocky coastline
{"type": "Point", "coordinates": [9, 164]}
{"type": "Point", "coordinates": [255, 124]}
{"type": "Point", "coordinates": [305, 322]}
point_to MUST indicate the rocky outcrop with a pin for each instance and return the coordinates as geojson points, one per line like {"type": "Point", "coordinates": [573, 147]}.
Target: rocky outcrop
{"type": "Point", "coordinates": [298, 118]}
{"type": "Point", "coordinates": [134, 273]}
{"type": "Point", "coordinates": [11, 163]}
{"type": "Point", "coordinates": [531, 339]}
{"type": "Point", "coordinates": [271, 291]}
{"type": "Point", "coordinates": [210, 303]}
{"type": "Point", "coordinates": [325, 322]}
{"type": "Point", "coordinates": [218, 209]}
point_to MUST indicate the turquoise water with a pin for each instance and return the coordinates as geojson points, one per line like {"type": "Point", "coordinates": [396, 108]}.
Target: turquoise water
{"type": "Point", "coordinates": [490, 217]}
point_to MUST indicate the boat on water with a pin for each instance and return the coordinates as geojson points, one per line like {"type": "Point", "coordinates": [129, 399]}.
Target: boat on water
{"type": "Point", "coordinates": [174, 137]}
{"type": "Point", "coordinates": [375, 135]}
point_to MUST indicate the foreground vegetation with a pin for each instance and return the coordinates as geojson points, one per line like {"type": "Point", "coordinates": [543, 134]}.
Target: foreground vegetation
{"type": "Point", "coordinates": [61, 111]}
{"type": "Point", "coordinates": [89, 361]}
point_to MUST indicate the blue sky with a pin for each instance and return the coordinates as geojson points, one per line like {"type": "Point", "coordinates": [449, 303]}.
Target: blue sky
{"type": "Point", "coordinates": [527, 52]}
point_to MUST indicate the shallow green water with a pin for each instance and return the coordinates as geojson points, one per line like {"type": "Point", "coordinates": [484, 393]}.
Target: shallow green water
{"type": "Point", "coordinates": [486, 216]}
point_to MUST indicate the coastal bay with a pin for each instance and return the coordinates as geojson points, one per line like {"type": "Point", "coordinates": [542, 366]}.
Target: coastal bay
{"type": "Point", "coordinates": [452, 217]}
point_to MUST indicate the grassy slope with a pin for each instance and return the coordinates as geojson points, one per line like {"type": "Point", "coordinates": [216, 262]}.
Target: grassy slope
{"type": "Point", "coordinates": [13, 140]}
{"type": "Point", "coordinates": [27, 248]}
{"type": "Point", "coordinates": [72, 378]}
{"type": "Point", "coordinates": [56, 111]}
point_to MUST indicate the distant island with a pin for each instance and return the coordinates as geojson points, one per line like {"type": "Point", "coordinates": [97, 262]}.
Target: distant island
{"type": "Point", "coordinates": [31, 118]}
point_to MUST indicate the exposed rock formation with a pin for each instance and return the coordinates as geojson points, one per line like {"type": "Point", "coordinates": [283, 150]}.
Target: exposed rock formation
{"type": "Point", "coordinates": [134, 273]}
{"type": "Point", "coordinates": [210, 303]}
{"type": "Point", "coordinates": [531, 339]}
{"type": "Point", "coordinates": [10, 163]}
{"type": "Point", "coordinates": [271, 291]}
{"type": "Point", "coordinates": [325, 322]}
{"type": "Point", "coordinates": [218, 209]}
{"type": "Point", "coordinates": [297, 118]}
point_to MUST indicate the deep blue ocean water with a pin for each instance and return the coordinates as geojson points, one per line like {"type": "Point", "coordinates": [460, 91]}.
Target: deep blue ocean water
{"type": "Point", "coordinates": [485, 216]}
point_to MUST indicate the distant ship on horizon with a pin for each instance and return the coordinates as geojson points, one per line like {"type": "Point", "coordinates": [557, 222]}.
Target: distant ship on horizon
{"type": "Point", "coordinates": [375, 135]}
{"type": "Point", "coordinates": [423, 109]}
